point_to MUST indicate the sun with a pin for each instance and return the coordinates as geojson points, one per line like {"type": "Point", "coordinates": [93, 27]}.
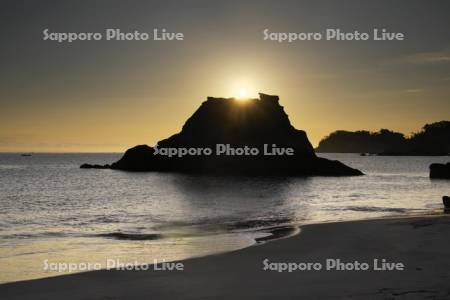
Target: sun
{"type": "Point", "coordinates": [242, 89]}
{"type": "Point", "coordinates": [243, 92]}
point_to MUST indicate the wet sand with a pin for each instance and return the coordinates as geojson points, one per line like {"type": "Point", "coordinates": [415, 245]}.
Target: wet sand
{"type": "Point", "coordinates": [421, 244]}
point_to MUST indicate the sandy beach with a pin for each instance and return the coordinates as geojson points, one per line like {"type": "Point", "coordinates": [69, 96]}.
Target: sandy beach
{"type": "Point", "coordinates": [421, 244]}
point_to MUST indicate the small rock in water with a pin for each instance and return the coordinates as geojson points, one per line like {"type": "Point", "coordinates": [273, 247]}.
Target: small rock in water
{"type": "Point", "coordinates": [441, 171]}
{"type": "Point", "coordinates": [89, 166]}
{"type": "Point", "coordinates": [446, 201]}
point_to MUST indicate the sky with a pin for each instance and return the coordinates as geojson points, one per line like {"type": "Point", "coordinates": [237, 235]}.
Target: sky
{"type": "Point", "coordinates": [107, 96]}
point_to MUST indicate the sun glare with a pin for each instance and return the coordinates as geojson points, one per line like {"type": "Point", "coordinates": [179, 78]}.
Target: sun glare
{"type": "Point", "coordinates": [243, 93]}
{"type": "Point", "coordinates": [242, 89]}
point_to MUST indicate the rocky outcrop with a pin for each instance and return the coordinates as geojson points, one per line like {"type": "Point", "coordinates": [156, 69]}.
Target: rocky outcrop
{"type": "Point", "coordinates": [88, 166]}
{"type": "Point", "coordinates": [440, 171]}
{"type": "Point", "coordinates": [446, 201]}
{"type": "Point", "coordinates": [221, 123]}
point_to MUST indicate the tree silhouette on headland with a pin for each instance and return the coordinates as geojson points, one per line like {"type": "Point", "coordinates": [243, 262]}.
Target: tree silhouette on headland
{"type": "Point", "coordinates": [433, 139]}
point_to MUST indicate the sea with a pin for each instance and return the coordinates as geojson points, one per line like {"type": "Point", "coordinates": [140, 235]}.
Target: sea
{"type": "Point", "coordinates": [52, 213]}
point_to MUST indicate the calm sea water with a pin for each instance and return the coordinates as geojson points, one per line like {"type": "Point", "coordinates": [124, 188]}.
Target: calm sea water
{"type": "Point", "coordinates": [52, 210]}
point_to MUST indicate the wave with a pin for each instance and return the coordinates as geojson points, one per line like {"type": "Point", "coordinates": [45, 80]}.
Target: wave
{"type": "Point", "coordinates": [32, 235]}
{"type": "Point", "coordinates": [372, 209]}
{"type": "Point", "coordinates": [258, 223]}
{"type": "Point", "coordinates": [131, 236]}
{"type": "Point", "coordinates": [278, 233]}
{"type": "Point", "coordinates": [221, 225]}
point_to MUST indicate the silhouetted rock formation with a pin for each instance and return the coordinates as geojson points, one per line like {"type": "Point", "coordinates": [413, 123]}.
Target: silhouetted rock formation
{"type": "Point", "coordinates": [253, 123]}
{"type": "Point", "coordinates": [440, 171]}
{"type": "Point", "coordinates": [433, 139]}
{"type": "Point", "coordinates": [446, 201]}
{"type": "Point", "coordinates": [88, 166]}
{"type": "Point", "coordinates": [138, 158]}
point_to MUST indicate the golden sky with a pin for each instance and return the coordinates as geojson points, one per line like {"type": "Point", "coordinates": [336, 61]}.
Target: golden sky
{"type": "Point", "coordinates": [101, 96]}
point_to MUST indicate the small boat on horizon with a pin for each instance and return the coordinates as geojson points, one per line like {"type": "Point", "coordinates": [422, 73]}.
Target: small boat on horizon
{"type": "Point", "coordinates": [25, 154]}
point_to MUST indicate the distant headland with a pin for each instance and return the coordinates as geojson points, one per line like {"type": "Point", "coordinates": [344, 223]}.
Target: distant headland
{"type": "Point", "coordinates": [234, 136]}
{"type": "Point", "coordinates": [433, 140]}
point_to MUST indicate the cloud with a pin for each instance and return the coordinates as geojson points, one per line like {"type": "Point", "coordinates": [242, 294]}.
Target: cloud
{"type": "Point", "coordinates": [435, 57]}
{"type": "Point", "coordinates": [413, 90]}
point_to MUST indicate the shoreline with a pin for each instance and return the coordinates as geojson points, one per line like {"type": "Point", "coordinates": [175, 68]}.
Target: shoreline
{"type": "Point", "coordinates": [270, 234]}
{"type": "Point", "coordinates": [408, 235]}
